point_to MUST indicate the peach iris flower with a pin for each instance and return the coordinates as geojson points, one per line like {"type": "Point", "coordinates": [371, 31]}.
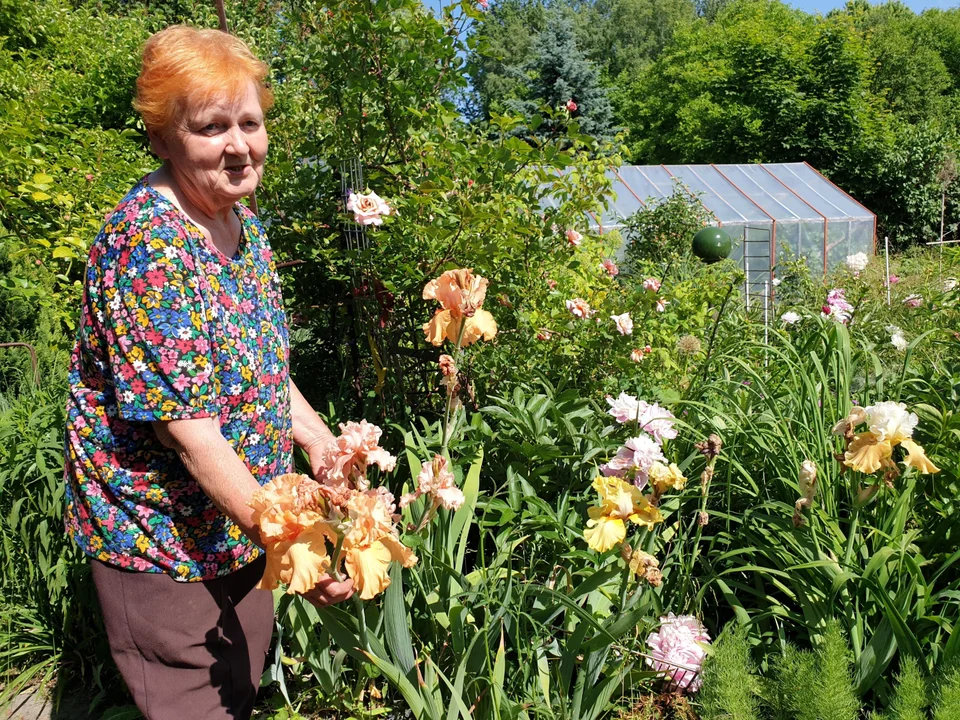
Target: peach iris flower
{"type": "Point", "coordinates": [372, 542]}
{"type": "Point", "coordinates": [620, 501]}
{"type": "Point", "coordinates": [461, 295]}
{"type": "Point", "coordinates": [294, 531]}
{"type": "Point", "coordinates": [437, 481]}
{"type": "Point", "coordinates": [348, 457]}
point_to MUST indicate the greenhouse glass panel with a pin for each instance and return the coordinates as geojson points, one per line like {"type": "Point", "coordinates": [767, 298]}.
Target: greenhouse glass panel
{"type": "Point", "coordinates": [626, 203]}
{"type": "Point", "coordinates": [788, 240]}
{"type": "Point", "coordinates": [838, 242]}
{"type": "Point", "coordinates": [725, 209]}
{"type": "Point", "coordinates": [659, 178]}
{"type": "Point", "coordinates": [863, 236]}
{"type": "Point", "coordinates": [816, 190]}
{"type": "Point", "coordinates": [639, 183]}
{"type": "Point", "coordinates": [768, 192]}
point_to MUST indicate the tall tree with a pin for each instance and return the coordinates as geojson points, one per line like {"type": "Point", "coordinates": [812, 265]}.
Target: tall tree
{"type": "Point", "coordinates": [560, 74]}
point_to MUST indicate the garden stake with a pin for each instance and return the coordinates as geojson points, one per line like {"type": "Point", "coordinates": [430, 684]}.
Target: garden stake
{"type": "Point", "coordinates": [886, 252]}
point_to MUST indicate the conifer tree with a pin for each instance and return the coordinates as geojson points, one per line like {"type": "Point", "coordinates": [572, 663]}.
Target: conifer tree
{"type": "Point", "coordinates": [559, 73]}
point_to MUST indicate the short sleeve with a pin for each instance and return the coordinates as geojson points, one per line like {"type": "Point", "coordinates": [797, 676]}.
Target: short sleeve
{"type": "Point", "coordinates": [156, 331]}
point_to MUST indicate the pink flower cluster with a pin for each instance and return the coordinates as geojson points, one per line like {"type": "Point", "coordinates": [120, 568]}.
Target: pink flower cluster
{"type": "Point", "coordinates": [610, 266]}
{"type": "Point", "coordinates": [837, 306]}
{"type": "Point", "coordinates": [638, 454]}
{"type": "Point", "coordinates": [438, 483]}
{"type": "Point", "coordinates": [353, 452]}
{"type": "Point", "coordinates": [677, 650]}
{"type": "Point", "coordinates": [650, 417]}
{"type": "Point", "coordinates": [635, 458]}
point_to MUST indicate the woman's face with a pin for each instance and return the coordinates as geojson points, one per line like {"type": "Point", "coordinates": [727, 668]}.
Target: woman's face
{"type": "Point", "coordinates": [216, 153]}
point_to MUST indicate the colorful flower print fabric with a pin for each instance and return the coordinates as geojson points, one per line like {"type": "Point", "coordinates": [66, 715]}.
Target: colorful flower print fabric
{"type": "Point", "coordinates": [171, 328]}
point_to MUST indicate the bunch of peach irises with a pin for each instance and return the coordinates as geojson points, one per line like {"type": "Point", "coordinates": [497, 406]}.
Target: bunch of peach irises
{"type": "Point", "coordinates": [337, 523]}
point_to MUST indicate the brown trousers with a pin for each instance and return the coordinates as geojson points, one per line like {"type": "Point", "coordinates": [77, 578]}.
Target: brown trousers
{"type": "Point", "coordinates": [187, 650]}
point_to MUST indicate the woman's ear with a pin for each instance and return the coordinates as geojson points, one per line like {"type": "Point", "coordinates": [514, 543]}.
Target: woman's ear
{"type": "Point", "coordinates": [158, 144]}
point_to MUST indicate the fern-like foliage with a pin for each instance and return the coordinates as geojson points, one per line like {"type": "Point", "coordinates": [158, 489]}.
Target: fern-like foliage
{"type": "Point", "coordinates": [730, 684]}
{"type": "Point", "coordinates": [948, 702]}
{"type": "Point", "coordinates": [910, 696]}
{"type": "Point", "coordinates": [834, 692]}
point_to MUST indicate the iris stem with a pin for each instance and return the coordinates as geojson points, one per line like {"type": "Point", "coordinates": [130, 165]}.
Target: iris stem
{"type": "Point", "coordinates": [450, 391]}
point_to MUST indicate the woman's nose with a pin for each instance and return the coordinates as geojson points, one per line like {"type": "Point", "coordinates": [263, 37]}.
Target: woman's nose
{"type": "Point", "coordinates": [236, 142]}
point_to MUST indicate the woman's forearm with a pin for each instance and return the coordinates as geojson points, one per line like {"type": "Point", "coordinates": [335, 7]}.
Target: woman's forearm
{"type": "Point", "coordinates": [215, 465]}
{"type": "Point", "coordinates": [309, 429]}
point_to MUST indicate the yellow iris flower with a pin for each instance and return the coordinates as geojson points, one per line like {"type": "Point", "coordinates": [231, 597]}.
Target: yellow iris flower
{"type": "Point", "coordinates": [890, 424]}
{"type": "Point", "coordinates": [620, 501]}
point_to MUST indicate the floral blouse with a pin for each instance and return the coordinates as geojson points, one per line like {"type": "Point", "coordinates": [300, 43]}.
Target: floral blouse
{"type": "Point", "coordinates": [171, 328]}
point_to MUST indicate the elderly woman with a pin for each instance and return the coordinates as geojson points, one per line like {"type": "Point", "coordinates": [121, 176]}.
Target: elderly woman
{"type": "Point", "coordinates": [181, 403]}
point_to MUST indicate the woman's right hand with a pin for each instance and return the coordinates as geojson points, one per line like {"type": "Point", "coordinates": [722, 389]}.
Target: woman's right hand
{"type": "Point", "coordinates": [330, 592]}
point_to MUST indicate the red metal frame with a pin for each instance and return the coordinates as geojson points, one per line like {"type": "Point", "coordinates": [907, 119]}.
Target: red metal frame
{"type": "Point", "coordinates": [824, 217]}
{"type": "Point", "coordinates": [773, 240]}
{"type": "Point", "coordinates": [853, 200]}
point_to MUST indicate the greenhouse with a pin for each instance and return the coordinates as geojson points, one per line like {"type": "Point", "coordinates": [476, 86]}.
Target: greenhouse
{"type": "Point", "coordinates": [772, 211]}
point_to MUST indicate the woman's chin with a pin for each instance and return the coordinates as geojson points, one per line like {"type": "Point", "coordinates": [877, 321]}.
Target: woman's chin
{"type": "Point", "coordinates": [241, 188]}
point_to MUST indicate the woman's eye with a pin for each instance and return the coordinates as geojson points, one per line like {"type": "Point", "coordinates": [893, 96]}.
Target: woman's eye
{"type": "Point", "coordinates": [212, 127]}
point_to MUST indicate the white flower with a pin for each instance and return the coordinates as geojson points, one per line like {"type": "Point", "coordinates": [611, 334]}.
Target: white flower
{"type": "Point", "coordinates": [891, 421]}
{"type": "Point", "coordinates": [776, 282]}
{"type": "Point", "coordinates": [899, 342]}
{"type": "Point", "coordinates": [913, 301]}
{"type": "Point", "coordinates": [790, 318]}
{"type": "Point", "coordinates": [949, 284]}
{"type": "Point", "coordinates": [624, 323]}
{"type": "Point", "coordinates": [662, 304]}
{"type": "Point", "coordinates": [857, 263]}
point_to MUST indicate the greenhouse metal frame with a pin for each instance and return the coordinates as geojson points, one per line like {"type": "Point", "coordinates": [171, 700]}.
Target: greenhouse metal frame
{"type": "Point", "coordinates": [771, 210]}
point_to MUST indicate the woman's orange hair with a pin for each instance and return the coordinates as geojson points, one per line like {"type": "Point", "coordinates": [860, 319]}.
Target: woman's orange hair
{"type": "Point", "coordinates": [184, 67]}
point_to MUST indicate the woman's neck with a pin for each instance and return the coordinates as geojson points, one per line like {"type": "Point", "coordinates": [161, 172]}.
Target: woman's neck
{"type": "Point", "coordinates": [164, 180]}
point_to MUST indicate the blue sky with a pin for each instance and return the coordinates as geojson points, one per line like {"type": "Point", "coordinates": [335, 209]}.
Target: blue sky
{"type": "Point", "coordinates": [823, 6]}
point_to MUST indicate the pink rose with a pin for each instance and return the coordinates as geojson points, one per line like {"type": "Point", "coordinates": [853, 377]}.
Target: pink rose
{"type": "Point", "coordinates": [368, 209]}
{"type": "Point", "coordinates": [651, 284]}
{"type": "Point", "coordinates": [611, 267]}
{"type": "Point", "coordinates": [579, 308]}
{"type": "Point", "coordinates": [571, 106]}
{"type": "Point", "coordinates": [573, 237]}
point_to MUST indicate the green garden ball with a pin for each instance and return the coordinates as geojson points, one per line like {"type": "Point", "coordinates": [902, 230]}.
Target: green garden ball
{"type": "Point", "coordinates": [711, 244]}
